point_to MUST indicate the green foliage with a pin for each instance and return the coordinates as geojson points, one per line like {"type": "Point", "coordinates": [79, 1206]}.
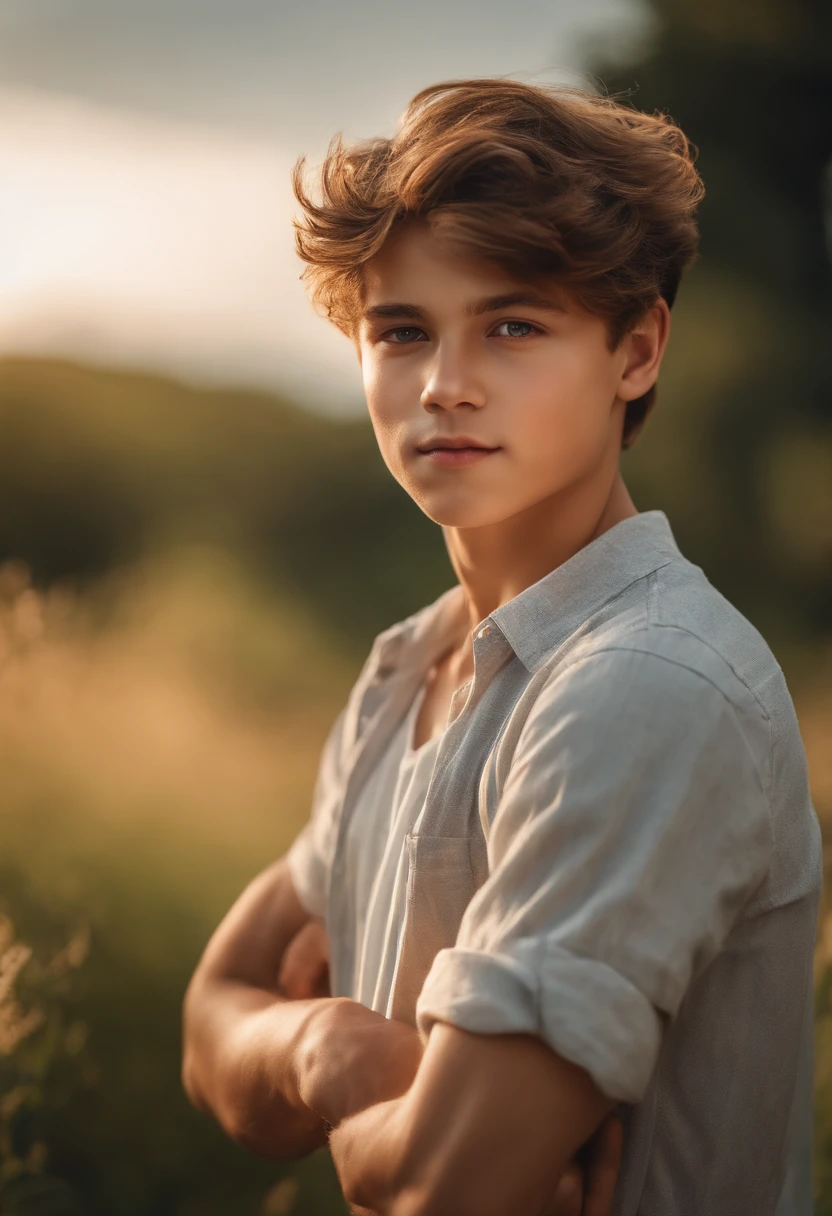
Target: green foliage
{"type": "Point", "coordinates": [98, 468]}
{"type": "Point", "coordinates": [739, 450]}
{"type": "Point", "coordinates": [93, 1120]}
{"type": "Point", "coordinates": [148, 774]}
{"type": "Point", "coordinates": [43, 1057]}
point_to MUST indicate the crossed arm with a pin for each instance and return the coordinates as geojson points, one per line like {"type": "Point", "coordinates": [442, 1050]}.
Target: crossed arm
{"type": "Point", "coordinates": [468, 1123]}
{"type": "Point", "coordinates": [488, 1126]}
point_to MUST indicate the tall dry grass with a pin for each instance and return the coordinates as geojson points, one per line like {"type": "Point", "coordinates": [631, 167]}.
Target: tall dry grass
{"type": "Point", "coordinates": [160, 731]}
{"type": "Point", "coordinates": [159, 735]}
{"type": "Point", "coordinates": [174, 709]}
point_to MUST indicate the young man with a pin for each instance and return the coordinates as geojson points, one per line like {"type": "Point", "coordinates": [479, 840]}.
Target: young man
{"type": "Point", "coordinates": [561, 839]}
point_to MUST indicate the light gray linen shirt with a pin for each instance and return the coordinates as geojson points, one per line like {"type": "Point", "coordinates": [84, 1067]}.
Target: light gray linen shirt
{"type": "Point", "coordinates": [618, 853]}
{"type": "Point", "coordinates": [390, 808]}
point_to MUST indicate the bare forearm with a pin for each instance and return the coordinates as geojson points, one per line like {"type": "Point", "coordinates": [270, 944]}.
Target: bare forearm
{"type": "Point", "coordinates": [241, 1034]}
{"type": "Point", "coordinates": [441, 1146]}
{"type": "Point", "coordinates": [370, 1156]}
{"type": "Point", "coordinates": [245, 1054]}
{"type": "Point", "coordinates": [367, 1153]}
{"type": "Point", "coordinates": [276, 1071]}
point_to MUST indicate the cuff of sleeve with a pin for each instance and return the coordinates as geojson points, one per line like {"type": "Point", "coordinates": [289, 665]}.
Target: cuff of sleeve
{"type": "Point", "coordinates": [583, 1009]}
{"type": "Point", "coordinates": [305, 868]}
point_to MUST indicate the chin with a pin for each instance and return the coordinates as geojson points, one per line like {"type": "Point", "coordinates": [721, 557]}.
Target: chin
{"type": "Point", "coordinates": [473, 513]}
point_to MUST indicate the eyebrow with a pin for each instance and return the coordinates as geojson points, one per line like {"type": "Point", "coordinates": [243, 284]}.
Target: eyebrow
{"type": "Point", "coordinates": [529, 299]}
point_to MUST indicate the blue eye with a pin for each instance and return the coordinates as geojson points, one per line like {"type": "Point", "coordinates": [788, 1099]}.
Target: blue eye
{"type": "Point", "coordinates": [392, 339]}
{"type": "Point", "coordinates": [528, 325]}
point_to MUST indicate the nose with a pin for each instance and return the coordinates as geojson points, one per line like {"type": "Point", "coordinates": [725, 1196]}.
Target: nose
{"type": "Point", "coordinates": [452, 381]}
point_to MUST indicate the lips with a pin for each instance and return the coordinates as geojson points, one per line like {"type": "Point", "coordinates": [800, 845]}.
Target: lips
{"type": "Point", "coordinates": [453, 458]}
{"type": "Point", "coordinates": [452, 445]}
{"type": "Point", "coordinates": [458, 447]}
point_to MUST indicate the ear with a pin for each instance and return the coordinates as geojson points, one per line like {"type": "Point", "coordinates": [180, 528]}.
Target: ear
{"type": "Point", "coordinates": [644, 346]}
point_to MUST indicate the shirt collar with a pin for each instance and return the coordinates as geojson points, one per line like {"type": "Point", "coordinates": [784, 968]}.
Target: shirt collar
{"type": "Point", "coordinates": [544, 614]}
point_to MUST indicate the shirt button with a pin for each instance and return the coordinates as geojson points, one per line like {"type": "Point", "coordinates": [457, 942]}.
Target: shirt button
{"type": "Point", "coordinates": [483, 633]}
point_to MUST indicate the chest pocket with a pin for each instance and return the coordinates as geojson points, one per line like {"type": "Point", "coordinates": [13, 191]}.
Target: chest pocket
{"type": "Point", "coordinates": [440, 885]}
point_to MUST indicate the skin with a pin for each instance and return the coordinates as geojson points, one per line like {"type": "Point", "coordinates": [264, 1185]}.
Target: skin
{"type": "Point", "coordinates": [304, 973]}
{"type": "Point", "coordinates": [427, 1128]}
{"type": "Point", "coordinates": [539, 383]}
{"type": "Point", "coordinates": [553, 401]}
{"type": "Point", "coordinates": [278, 1068]}
{"type": "Point", "coordinates": [255, 1057]}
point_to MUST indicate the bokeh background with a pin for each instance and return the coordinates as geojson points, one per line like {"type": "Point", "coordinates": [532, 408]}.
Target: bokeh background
{"type": "Point", "coordinates": [198, 537]}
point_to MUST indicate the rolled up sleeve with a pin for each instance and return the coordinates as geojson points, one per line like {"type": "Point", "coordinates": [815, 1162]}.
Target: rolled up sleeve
{"type": "Point", "coordinates": [632, 829]}
{"type": "Point", "coordinates": [310, 854]}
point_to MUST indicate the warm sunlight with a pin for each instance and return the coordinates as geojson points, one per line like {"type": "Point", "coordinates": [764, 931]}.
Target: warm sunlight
{"type": "Point", "coordinates": [142, 242]}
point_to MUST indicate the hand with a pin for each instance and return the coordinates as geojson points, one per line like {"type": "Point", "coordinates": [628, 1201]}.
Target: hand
{"type": "Point", "coordinates": [378, 1061]}
{"type": "Point", "coordinates": [304, 968]}
{"type": "Point", "coordinates": [355, 1058]}
{"type": "Point", "coordinates": [589, 1190]}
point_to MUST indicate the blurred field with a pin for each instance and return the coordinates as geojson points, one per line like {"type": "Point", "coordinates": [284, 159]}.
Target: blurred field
{"type": "Point", "coordinates": [158, 737]}
{"type": "Point", "coordinates": [193, 700]}
{"type": "Point", "coordinates": [190, 585]}
{"type": "Point", "coordinates": [191, 582]}
{"type": "Point", "coordinates": [159, 734]}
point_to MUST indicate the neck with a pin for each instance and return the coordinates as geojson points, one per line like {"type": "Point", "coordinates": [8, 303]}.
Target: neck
{"type": "Point", "coordinates": [495, 563]}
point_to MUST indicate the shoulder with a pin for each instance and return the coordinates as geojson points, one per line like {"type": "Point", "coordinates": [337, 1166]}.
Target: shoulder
{"type": "Point", "coordinates": [653, 672]}
{"type": "Point", "coordinates": [681, 634]}
{"type": "Point", "coordinates": [691, 620]}
{"type": "Point", "coordinates": [656, 736]}
{"type": "Point", "coordinates": [657, 707]}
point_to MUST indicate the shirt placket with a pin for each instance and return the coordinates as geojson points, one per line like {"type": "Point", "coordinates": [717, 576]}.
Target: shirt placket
{"type": "Point", "coordinates": [450, 827]}
{"type": "Point", "coordinates": [499, 676]}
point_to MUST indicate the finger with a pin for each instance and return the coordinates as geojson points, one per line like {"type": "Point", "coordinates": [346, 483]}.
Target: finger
{"type": "Point", "coordinates": [308, 943]}
{"type": "Point", "coordinates": [602, 1173]}
{"type": "Point", "coordinates": [322, 940]}
{"type": "Point", "coordinates": [321, 986]}
{"type": "Point", "coordinates": [288, 971]}
{"type": "Point", "coordinates": [299, 966]}
{"type": "Point", "coordinates": [300, 984]}
{"type": "Point", "coordinates": [568, 1194]}
{"type": "Point", "coordinates": [304, 967]}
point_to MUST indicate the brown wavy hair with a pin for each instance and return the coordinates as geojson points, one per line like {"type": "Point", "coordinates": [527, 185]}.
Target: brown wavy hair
{"type": "Point", "coordinates": [544, 182]}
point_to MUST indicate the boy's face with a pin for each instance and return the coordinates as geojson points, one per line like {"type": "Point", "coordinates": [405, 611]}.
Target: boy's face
{"type": "Point", "coordinates": [540, 385]}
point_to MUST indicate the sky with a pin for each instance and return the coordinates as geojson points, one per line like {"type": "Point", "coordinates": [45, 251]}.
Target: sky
{"type": "Point", "coordinates": [146, 146]}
